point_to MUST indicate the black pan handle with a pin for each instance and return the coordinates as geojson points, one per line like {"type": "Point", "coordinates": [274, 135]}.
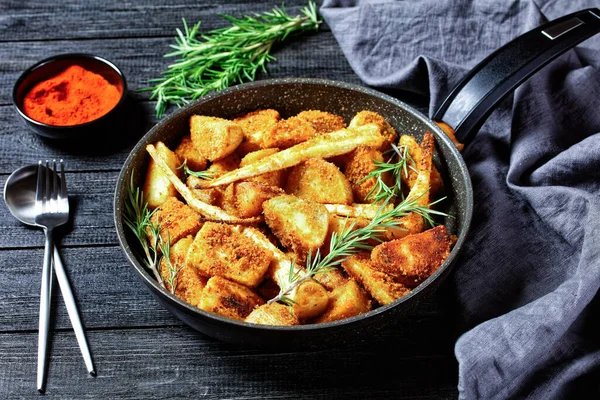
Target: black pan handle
{"type": "Point", "coordinates": [490, 81]}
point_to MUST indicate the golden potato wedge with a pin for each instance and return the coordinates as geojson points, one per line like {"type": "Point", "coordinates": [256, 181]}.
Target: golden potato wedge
{"type": "Point", "coordinates": [321, 121]}
{"type": "Point", "coordinates": [346, 301]}
{"type": "Point", "coordinates": [288, 132]}
{"type": "Point", "coordinates": [320, 181]}
{"type": "Point", "coordinates": [300, 225]}
{"type": "Point", "coordinates": [229, 299]}
{"type": "Point", "coordinates": [212, 196]}
{"type": "Point", "coordinates": [275, 178]}
{"type": "Point", "coordinates": [245, 199]}
{"type": "Point", "coordinates": [220, 249]}
{"type": "Point", "coordinates": [322, 146]}
{"type": "Point", "coordinates": [273, 314]}
{"type": "Point", "coordinates": [415, 152]}
{"type": "Point", "coordinates": [379, 285]}
{"type": "Point", "coordinates": [414, 258]}
{"type": "Point", "coordinates": [255, 124]}
{"type": "Point", "coordinates": [187, 152]}
{"type": "Point", "coordinates": [157, 186]}
{"type": "Point", "coordinates": [176, 220]}
{"type": "Point", "coordinates": [215, 138]}
{"type": "Point", "coordinates": [310, 300]}
{"type": "Point", "coordinates": [227, 164]}
{"type": "Point", "coordinates": [188, 283]}
{"type": "Point", "coordinates": [420, 192]}
{"type": "Point", "coordinates": [360, 164]}
{"type": "Point", "coordinates": [331, 279]}
{"type": "Point", "coordinates": [386, 130]}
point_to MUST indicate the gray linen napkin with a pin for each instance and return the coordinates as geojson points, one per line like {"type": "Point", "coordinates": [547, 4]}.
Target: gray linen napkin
{"type": "Point", "coordinates": [527, 280]}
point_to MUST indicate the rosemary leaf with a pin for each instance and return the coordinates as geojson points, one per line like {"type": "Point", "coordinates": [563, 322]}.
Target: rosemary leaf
{"type": "Point", "coordinates": [225, 56]}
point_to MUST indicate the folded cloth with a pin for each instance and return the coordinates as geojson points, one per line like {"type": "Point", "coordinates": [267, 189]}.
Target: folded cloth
{"type": "Point", "coordinates": [527, 279]}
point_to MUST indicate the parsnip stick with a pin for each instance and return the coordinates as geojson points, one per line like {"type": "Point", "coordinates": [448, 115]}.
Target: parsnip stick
{"type": "Point", "coordinates": [323, 146]}
{"type": "Point", "coordinates": [207, 210]}
{"type": "Point", "coordinates": [357, 210]}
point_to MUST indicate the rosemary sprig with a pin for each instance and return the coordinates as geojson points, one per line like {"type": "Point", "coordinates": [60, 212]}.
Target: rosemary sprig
{"type": "Point", "coordinates": [350, 241]}
{"type": "Point", "coordinates": [173, 270]}
{"type": "Point", "coordinates": [221, 57]}
{"type": "Point", "coordinates": [138, 219]}
{"type": "Point", "coordinates": [199, 174]}
{"type": "Point", "coordinates": [381, 190]}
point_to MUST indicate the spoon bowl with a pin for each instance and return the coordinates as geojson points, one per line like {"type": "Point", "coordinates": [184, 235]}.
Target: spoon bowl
{"type": "Point", "coordinates": [19, 194]}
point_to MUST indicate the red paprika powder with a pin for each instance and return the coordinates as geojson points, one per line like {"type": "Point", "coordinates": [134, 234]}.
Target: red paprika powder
{"type": "Point", "coordinates": [72, 97]}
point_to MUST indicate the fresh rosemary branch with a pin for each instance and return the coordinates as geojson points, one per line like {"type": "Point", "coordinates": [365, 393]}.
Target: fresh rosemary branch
{"type": "Point", "coordinates": [222, 57]}
{"type": "Point", "coordinates": [350, 241]}
{"type": "Point", "coordinates": [137, 218]}
{"type": "Point", "coordinates": [381, 190]}
{"type": "Point", "coordinates": [173, 270]}
{"type": "Point", "coordinates": [199, 174]}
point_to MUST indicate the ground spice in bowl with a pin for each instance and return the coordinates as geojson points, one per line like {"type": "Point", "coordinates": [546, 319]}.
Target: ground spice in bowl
{"type": "Point", "coordinates": [72, 97]}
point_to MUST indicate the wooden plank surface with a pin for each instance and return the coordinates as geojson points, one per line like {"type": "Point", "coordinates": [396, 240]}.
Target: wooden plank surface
{"type": "Point", "coordinates": [143, 363]}
{"type": "Point", "coordinates": [140, 349]}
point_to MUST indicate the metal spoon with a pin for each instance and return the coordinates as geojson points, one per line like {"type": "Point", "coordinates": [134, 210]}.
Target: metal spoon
{"type": "Point", "coordinates": [19, 195]}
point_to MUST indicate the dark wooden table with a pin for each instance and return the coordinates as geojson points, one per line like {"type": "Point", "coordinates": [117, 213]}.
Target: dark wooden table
{"type": "Point", "coordinates": [140, 350]}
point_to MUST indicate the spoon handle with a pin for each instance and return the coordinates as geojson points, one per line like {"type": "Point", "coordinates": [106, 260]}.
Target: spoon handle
{"type": "Point", "coordinates": [67, 294]}
{"type": "Point", "coordinates": [44, 322]}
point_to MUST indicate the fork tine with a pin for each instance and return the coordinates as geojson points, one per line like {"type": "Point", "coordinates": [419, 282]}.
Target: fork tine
{"type": "Point", "coordinates": [63, 183]}
{"type": "Point", "coordinates": [48, 188]}
{"type": "Point", "coordinates": [39, 189]}
{"type": "Point", "coordinates": [54, 185]}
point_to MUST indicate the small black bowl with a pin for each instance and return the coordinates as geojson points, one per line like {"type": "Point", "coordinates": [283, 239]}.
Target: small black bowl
{"type": "Point", "coordinates": [49, 67]}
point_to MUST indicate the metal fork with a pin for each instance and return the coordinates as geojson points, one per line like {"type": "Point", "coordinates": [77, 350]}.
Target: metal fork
{"type": "Point", "coordinates": [52, 210]}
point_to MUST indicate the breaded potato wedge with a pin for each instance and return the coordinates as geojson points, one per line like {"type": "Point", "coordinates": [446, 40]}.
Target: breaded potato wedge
{"type": "Point", "coordinates": [187, 152]}
{"type": "Point", "coordinates": [415, 152]}
{"type": "Point", "coordinates": [215, 138]}
{"type": "Point", "coordinates": [414, 258]}
{"type": "Point", "coordinates": [300, 225]}
{"type": "Point", "coordinates": [331, 279]}
{"type": "Point", "coordinates": [212, 196]}
{"type": "Point", "coordinates": [388, 132]}
{"type": "Point", "coordinates": [273, 314]}
{"type": "Point", "coordinates": [346, 301]}
{"type": "Point", "coordinates": [227, 164]}
{"type": "Point", "coordinates": [379, 285]}
{"type": "Point", "coordinates": [320, 181]}
{"type": "Point", "coordinates": [188, 283]}
{"type": "Point", "coordinates": [288, 132]}
{"type": "Point", "coordinates": [447, 129]}
{"type": "Point", "coordinates": [229, 299]}
{"type": "Point", "coordinates": [255, 124]}
{"type": "Point", "coordinates": [310, 300]}
{"type": "Point", "coordinates": [220, 249]}
{"type": "Point", "coordinates": [275, 178]}
{"type": "Point", "coordinates": [157, 187]}
{"type": "Point", "coordinates": [360, 164]}
{"type": "Point", "coordinates": [176, 220]}
{"type": "Point", "coordinates": [420, 192]}
{"type": "Point", "coordinates": [321, 121]}
{"type": "Point", "coordinates": [246, 198]}
{"type": "Point", "coordinates": [322, 146]}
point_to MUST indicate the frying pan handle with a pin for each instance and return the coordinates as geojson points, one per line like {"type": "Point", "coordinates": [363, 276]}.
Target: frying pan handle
{"type": "Point", "coordinates": [474, 98]}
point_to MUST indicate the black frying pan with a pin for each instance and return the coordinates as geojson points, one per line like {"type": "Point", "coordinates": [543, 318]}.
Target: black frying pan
{"type": "Point", "coordinates": [464, 110]}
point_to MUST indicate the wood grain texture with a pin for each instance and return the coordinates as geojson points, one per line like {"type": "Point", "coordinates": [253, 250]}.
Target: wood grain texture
{"type": "Point", "coordinates": [140, 349]}
{"type": "Point", "coordinates": [175, 362]}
